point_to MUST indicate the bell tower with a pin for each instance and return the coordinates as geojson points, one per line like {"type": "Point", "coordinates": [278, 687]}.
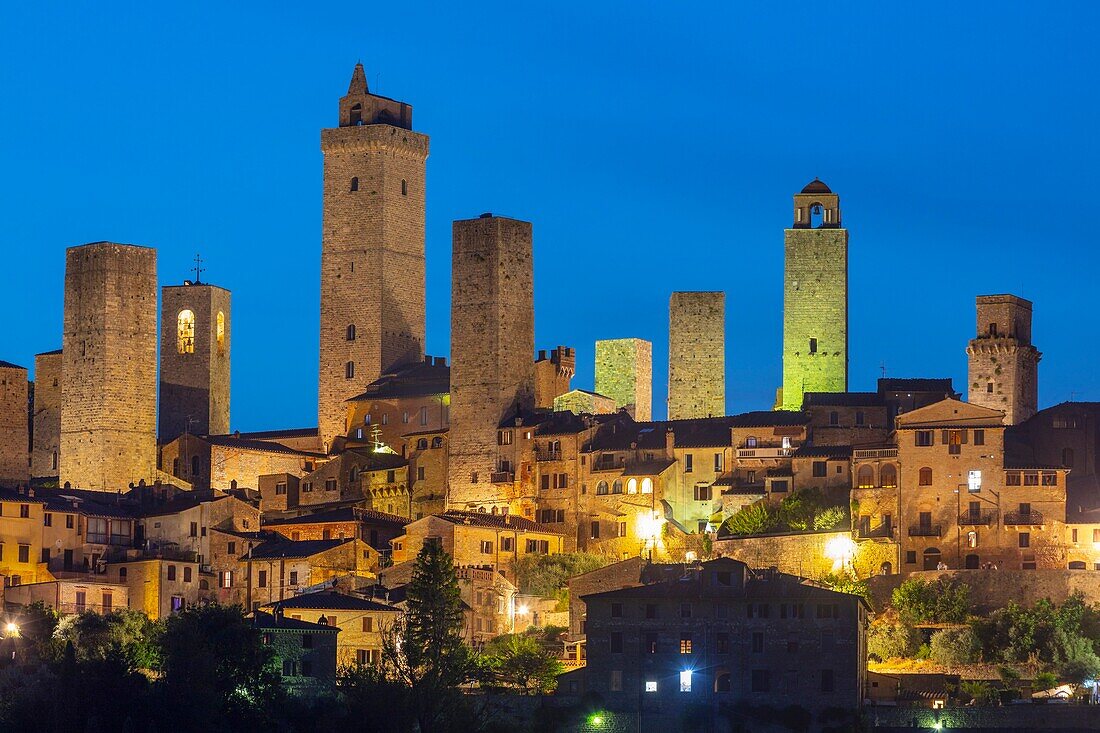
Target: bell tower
{"type": "Point", "coordinates": [372, 249]}
{"type": "Point", "coordinates": [815, 298]}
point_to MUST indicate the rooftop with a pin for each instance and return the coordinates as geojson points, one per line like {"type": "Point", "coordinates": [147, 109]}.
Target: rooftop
{"type": "Point", "coordinates": [286, 549]}
{"type": "Point", "coordinates": [420, 379]}
{"type": "Point", "coordinates": [331, 600]}
{"type": "Point", "coordinates": [496, 521]}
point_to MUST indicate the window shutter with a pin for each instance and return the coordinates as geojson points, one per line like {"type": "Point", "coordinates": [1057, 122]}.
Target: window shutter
{"type": "Point", "coordinates": [964, 432]}
{"type": "Point", "coordinates": [946, 441]}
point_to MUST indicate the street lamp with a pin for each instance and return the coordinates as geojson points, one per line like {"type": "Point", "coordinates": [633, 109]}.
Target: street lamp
{"type": "Point", "coordinates": [11, 629]}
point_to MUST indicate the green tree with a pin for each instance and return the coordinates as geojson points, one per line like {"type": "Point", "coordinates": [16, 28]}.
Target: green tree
{"type": "Point", "coordinates": [1075, 658]}
{"type": "Point", "coordinates": [981, 693]}
{"type": "Point", "coordinates": [546, 575]}
{"type": "Point", "coordinates": [125, 633]}
{"type": "Point", "coordinates": [892, 640]}
{"type": "Point", "coordinates": [797, 511]}
{"type": "Point", "coordinates": [831, 518]}
{"type": "Point", "coordinates": [953, 647]}
{"type": "Point", "coordinates": [942, 601]}
{"type": "Point", "coordinates": [752, 520]}
{"type": "Point", "coordinates": [1044, 681]}
{"type": "Point", "coordinates": [520, 661]}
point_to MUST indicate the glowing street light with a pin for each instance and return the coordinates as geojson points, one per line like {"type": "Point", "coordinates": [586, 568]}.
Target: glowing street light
{"type": "Point", "coordinates": [11, 629]}
{"type": "Point", "coordinates": [595, 720]}
{"type": "Point", "coordinates": [840, 550]}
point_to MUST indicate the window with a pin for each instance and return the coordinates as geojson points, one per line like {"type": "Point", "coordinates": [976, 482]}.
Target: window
{"type": "Point", "coordinates": [780, 486]}
{"type": "Point", "coordinates": [24, 511]}
{"type": "Point", "coordinates": [924, 438]}
{"type": "Point", "coordinates": [24, 553]}
{"type": "Point", "coordinates": [758, 642]}
{"type": "Point", "coordinates": [702, 492]}
{"type": "Point", "coordinates": [651, 685]}
{"type": "Point", "coordinates": [820, 469]}
{"type": "Point", "coordinates": [194, 531]}
{"type": "Point", "coordinates": [187, 575]}
{"type": "Point", "coordinates": [172, 572]}
{"type": "Point", "coordinates": [507, 544]}
{"type": "Point", "coordinates": [859, 417]}
{"type": "Point", "coordinates": [685, 680]}
{"type": "Point", "coordinates": [122, 574]}
{"type": "Point", "coordinates": [504, 437]}
{"type": "Point", "coordinates": [1050, 479]}
{"type": "Point", "coordinates": [351, 332]}
{"type": "Point", "coordinates": [955, 441]}
{"type": "Point", "coordinates": [834, 418]}
{"type": "Point", "coordinates": [349, 370]}
{"type": "Point", "coordinates": [911, 557]}
{"type": "Point", "coordinates": [888, 476]}
{"type": "Point", "coordinates": [541, 547]}
{"type": "Point", "coordinates": [813, 346]}
{"type": "Point", "coordinates": [615, 642]}
{"type": "Point", "coordinates": [225, 579]}
{"type": "Point", "coordinates": [750, 442]}
{"type": "Point", "coordinates": [616, 610]}
{"type": "Point", "coordinates": [1025, 539]}
{"type": "Point", "coordinates": [47, 520]}
{"type": "Point", "coordinates": [368, 624]}
{"type": "Point", "coordinates": [972, 539]}
{"type": "Point", "coordinates": [979, 437]}
{"type": "Point", "coordinates": [865, 477]}
{"type": "Point", "coordinates": [685, 643]}
{"type": "Point", "coordinates": [185, 332]}
{"type": "Point", "coordinates": [419, 473]}
{"type": "Point", "coordinates": [330, 484]}
{"type": "Point", "coordinates": [404, 187]}
{"type": "Point", "coordinates": [70, 521]}
{"type": "Point", "coordinates": [761, 681]}
{"type": "Point", "coordinates": [1012, 478]}
{"type": "Point", "coordinates": [294, 577]}
{"type": "Point", "coordinates": [647, 486]}
{"type": "Point", "coordinates": [617, 487]}
{"type": "Point", "coordinates": [718, 463]}
{"type": "Point", "coordinates": [486, 547]}
{"type": "Point", "coordinates": [1031, 479]}
{"type": "Point", "coordinates": [723, 646]}
{"type": "Point", "coordinates": [220, 332]}
{"type": "Point", "coordinates": [595, 527]}
{"type": "Point", "coordinates": [925, 476]}
{"type": "Point", "coordinates": [261, 579]}
{"type": "Point", "coordinates": [97, 530]}
{"type": "Point", "coordinates": [632, 486]}
{"type": "Point", "coordinates": [355, 179]}
{"type": "Point", "coordinates": [688, 463]}
{"type": "Point", "coordinates": [81, 601]}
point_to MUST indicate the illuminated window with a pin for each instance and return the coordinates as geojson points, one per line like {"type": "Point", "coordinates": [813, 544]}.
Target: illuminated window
{"type": "Point", "coordinates": [685, 681]}
{"type": "Point", "coordinates": [865, 477]}
{"type": "Point", "coordinates": [185, 332]}
{"type": "Point", "coordinates": [220, 333]}
{"type": "Point", "coordinates": [972, 539]}
{"type": "Point", "coordinates": [647, 486]}
{"type": "Point", "coordinates": [888, 476]}
{"type": "Point", "coordinates": [651, 685]}
{"type": "Point", "coordinates": [632, 486]}
{"type": "Point", "coordinates": [685, 643]}
{"type": "Point", "coordinates": [601, 488]}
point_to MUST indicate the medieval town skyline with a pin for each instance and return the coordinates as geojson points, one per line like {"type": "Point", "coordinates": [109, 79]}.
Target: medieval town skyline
{"type": "Point", "coordinates": [723, 197]}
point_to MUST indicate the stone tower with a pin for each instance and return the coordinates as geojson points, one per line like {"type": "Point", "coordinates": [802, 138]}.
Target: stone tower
{"type": "Point", "coordinates": [1003, 365]}
{"type": "Point", "coordinates": [46, 419]}
{"type": "Point", "coordinates": [14, 439]}
{"type": "Point", "coordinates": [492, 347]}
{"type": "Point", "coordinates": [815, 298]}
{"type": "Point", "coordinates": [194, 360]}
{"type": "Point", "coordinates": [696, 355]}
{"type": "Point", "coordinates": [553, 375]}
{"type": "Point", "coordinates": [372, 249]}
{"type": "Point", "coordinates": [624, 372]}
{"type": "Point", "coordinates": [109, 366]}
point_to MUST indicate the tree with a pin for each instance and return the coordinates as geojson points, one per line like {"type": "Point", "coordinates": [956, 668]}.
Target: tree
{"type": "Point", "coordinates": [752, 520]}
{"type": "Point", "coordinates": [830, 518]}
{"type": "Point", "coordinates": [981, 693]}
{"type": "Point", "coordinates": [892, 640]}
{"type": "Point", "coordinates": [1044, 681]}
{"type": "Point", "coordinates": [125, 632]}
{"type": "Point", "coordinates": [953, 647]}
{"type": "Point", "coordinates": [1076, 659]}
{"type": "Point", "coordinates": [940, 601]}
{"type": "Point", "coordinates": [520, 661]}
{"type": "Point", "coordinates": [798, 510]}
{"type": "Point", "coordinates": [845, 583]}
{"type": "Point", "coordinates": [546, 575]}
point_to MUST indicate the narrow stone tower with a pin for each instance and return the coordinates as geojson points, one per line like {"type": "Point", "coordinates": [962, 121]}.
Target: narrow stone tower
{"type": "Point", "coordinates": [14, 437]}
{"type": "Point", "coordinates": [46, 419]}
{"type": "Point", "coordinates": [492, 350]}
{"type": "Point", "coordinates": [815, 298]}
{"type": "Point", "coordinates": [696, 355]}
{"type": "Point", "coordinates": [372, 249]}
{"type": "Point", "coordinates": [624, 372]}
{"type": "Point", "coordinates": [194, 360]}
{"type": "Point", "coordinates": [1003, 365]}
{"type": "Point", "coordinates": [109, 367]}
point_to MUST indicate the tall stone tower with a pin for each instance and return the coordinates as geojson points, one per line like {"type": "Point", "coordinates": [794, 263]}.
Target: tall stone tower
{"type": "Point", "coordinates": [553, 375]}
{"type": "Point", "coordinates": [14, 437]}
{"type": "Point", "coordinates": [1003, 366]}
{"type": "Point", "coordinates": [194, 360]}
{"type": "Point", "coordinates": [624, 372]}
{"type": "Point", "coordinates": [46, 419]}
{"type": "Point", "coordinates": [492, 347]}
{"type": "Point", "coordinates": [372, 249]}
{"type": "Point", "coordinates": [815, 298]}
{"type": "Point", "coordinates": [109, 366]}
{"type": "Point", "coordinates": [696, 355]}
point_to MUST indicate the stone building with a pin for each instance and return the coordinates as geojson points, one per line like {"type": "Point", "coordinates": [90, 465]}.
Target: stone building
{"type": "Point", "coordinates": [14, 438]}
{"type": "Point", "coordinates": [361, 622]}
{"type": "Point", "coordinates": [46, 417]}
{"type": "Point", "coordinates": [409, 397]}
{"type": "Point", "coordinates": [1002, 363]}
{"type": "Point", "coordinates": [696, 355]}
{"type": "Point", "coordinates": [581, 402]}
{"type": "Point", "coordinates": [304, 653]}
{"type": "Point", "coordinates": [624, 372]}
{"type": "Point", "coordinates": [372, 254]}
{"type": "Point", "coordinates": [815, 298]}
{"type": "Point", "coordinates": [194, 360]}
{"type": "Point", "coordinates": [553, 375]}
{"type": "Point", "coordinates": [492, 345]}
{"type": "Point", "coordinates": [109, 366]}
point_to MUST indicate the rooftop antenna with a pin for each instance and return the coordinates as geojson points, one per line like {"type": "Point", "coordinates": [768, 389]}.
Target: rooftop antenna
{"type": "Point", "coordinates": [198, 269]}
{"type": "Point", "coordinates": [882, 366]}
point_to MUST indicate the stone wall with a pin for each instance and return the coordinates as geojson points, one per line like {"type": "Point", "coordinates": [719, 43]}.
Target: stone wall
{"type": "Point", "coordinates": [1062, 718]}
{"type": "Point", "coordinates": [492, 345]}
{"type": "Point", "coordinates": [109, 366]}
{"type": "Point", "coordinates": [194, 377]}
{"type": "Point", "coordinates": [372, 257]}
{"type": "Point", "coordinates": [14, 442]}
{"type": "Point", "coordinates": [993, 589]}
{"type": "Point", "coordinates": [808, 554]}
{"type": "Point", "coordinates": [624, 372]}
{"type": "Point", "coordinates": [696, 355]}
{"type": "Point", "coordinates": [46, 421]}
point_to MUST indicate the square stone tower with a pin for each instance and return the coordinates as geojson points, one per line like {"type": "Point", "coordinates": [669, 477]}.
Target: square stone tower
{"type": "Point", "coordinates": [46, 419]}
{"type": "Point", "coordinates": [624, 372]}
{"type": "Point", "coordinates": [194, 360]}
{"type": "Point", "coordinates": [492, 350]}
{"type": "Point", "coordinates": [815, 298]}
{"type": "Point", "coordinates": [372, 249]}
{"type": "Point", "coordinates": [14, 438]}
{"type": "Point", "coordinates": [109, 366]}
{"type": "Point", "coordinates": [1003, 366]}
{"type": "Point", "coordinates": [696, 355]}
{"type": "Point", "coordinates": [553, 375]}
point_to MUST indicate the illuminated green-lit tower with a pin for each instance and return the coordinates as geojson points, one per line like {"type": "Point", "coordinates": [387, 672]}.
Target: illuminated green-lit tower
{"type": "Point", "coordinates": [815, 298]}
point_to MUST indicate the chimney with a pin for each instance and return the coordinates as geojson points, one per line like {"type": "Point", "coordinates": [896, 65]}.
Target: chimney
{"type": "Point", "coordinates": [670, 443]}
{"type": "Point", "coordinates": [542, 355]}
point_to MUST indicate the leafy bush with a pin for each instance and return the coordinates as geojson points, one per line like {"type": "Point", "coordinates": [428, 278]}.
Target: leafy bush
{"type": "Point", "coordinates": [753, 519]}
{"type": "Point", "coordinates": [798, 511]}
{"type": "Point", "coordinates": [940, 601]}
{"type": "Point", "coordinates": [1044, 632]}
{"type": "Point", "coordinates": [830, 518]}
{"type": "Point", "coordinates": [981, 693]}
{"type": "Point", "coordinates": [1076, 659]}
{"type": "Point", "coordinates": [892, 640]}
{"type": "Point", "coordinates": [845, 583]}
{"type": "Point", "coordinates": [952, 647]}
{"type": "Point", "coordinates": [521, 661]}
{"type": "Point", "coordinates": [1044, 681]}
{"type": "Point", "coordinates": [546, 575]}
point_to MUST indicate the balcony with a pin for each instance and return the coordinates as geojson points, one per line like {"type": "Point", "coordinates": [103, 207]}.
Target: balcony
{"type": "Point", "coordinates": [925, 530]}
{"type": "Point", "coordinates": [1023, 518]}
{"type": "Point", "coordinates": [977, 519]}
{"type": "Point", "coordinates": [875, 453]}
{"type": "Point", "coordinates": [502, 477]}
{"type": "Point", "coordinates": [764, 452]}
{"type": "Point", "coordinates": [543, 455]}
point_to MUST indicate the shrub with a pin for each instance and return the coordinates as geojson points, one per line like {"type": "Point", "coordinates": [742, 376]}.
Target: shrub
{"type": "Point", "coordinates": [753, 519]}
{"type": "Point", "coordinates": [941, 601]}
{"type": "Point", "coordinates": [830, 518]}
{"type": "Point", "coordinates": [799, 510]}
{"type": "Point", "coordinates": [1044, 681]}
{"type": "Point", "coordinates": [546, 575]}
{"type": "Point", "coordinates": [892, 640]}
{"type": "Point", "coordinates": [981, 693]}
{"type": "Point", "coordinates": [952, 647]}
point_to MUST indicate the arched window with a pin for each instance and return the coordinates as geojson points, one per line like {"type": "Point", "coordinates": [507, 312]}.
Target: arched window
{"type": "Point", "coordinates": [888, 476]}
{"type": "Point", "coordinates": [322, 621]}
{"type": "Point", "coordinates": [601, 488]}
{"type": "Point", "coordinates": [1077, 565]}
{"type": "Point", "coordinates": [722, 682]}
{"type": "Point", "coordinates": [1067, 457]}
{"type": "Point", "coordinates": [354, 183]}
{"type": "Point", "coordinates": [647, 486]}
{"type": "Point", "coordinates": [357, 114]}
{"type": "Point", "coordinates": [349, 370]}
{"type": "Point", "coordinates": [404, 187]}
{"type": "Point", "coordinates": [220, 332]}
{"type": "Point", "coordinates": [195, 465]}
{"type": "Point", "coordinates": [437, 442]}
{"type": "Point", "coordinates": [931, 558]}
{"type": "Point", "coordinates": [750, 442]}
{"type": "Point", "coordinates": [351, 332]}
{"type": "Point", "coordinates": [422, 444]}
{"type": "Point", "coordinates": [185, 332]}
{"type": "Point", "coordinates": [971, 539]}
{"type": "Point", "coordinates": [632, 486]}
{"type": "Point", "coordinates": [925, 476]}
{"type": "Point", "coordinates": [865, 477]}
{"type": "Point", "coordinates": [617, 487]}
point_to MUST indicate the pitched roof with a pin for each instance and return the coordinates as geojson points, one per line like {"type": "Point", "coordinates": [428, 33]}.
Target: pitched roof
{"type": "Point", "coordinates": [948, 412]}
{"type": "Point", "coordinates": [89, 503]}
{"type": "Point", "coordinates": [376, 461]}
{"type": "Point", "coordinates": [419, 379]}
{"type": "Point", "coordinates": [180, 503]}
{"type": "Point", "coordinates": [842, 399]}
{"type": "Point", "coordinates": [9, 365]}
{"type": "Point", "coordinates": [623, 433]}
{"type": "Point", "coordinates": [331, 600]}
{"type": "Point", "coordinates": [49, 353]}
{"type": "Point", "coordinates": [339, 514]}
{"type": "Point", "coordinates": [284, 548]}
{"type": "Point", "coordinates": [261, 446]}
{"type": "Point", "coordinates": [496, 521]}
{"type": "Point", "coordinates": [22, 497]}
{"type": "Point", "coordinates": [896, 384]}
{"type": "Point", "coordinates": [823, 451]}
{"type": "Point", "coordinates": [270, 621]}
{"type": "Point", "coordinates": [648, 468]}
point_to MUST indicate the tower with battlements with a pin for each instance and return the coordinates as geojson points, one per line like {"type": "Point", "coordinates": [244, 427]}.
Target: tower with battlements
{"type": "Point", "coordinates": [1003, 365]}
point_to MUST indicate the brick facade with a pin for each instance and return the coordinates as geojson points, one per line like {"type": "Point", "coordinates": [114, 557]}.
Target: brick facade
{"type": "Point", "coordinates": [194, 360]}
{"type": "Point", "coordinates": [46, 419]}
{"type": "Point", "coordinates": [109, 366]}
{"type": "Point", "coordinates": [1002, 363]}
{"type": "Point", "coordinates": [696, 355]}
{"type": "Point", "coordinates": [624, 372]}
{"type": "Point", "coordinates": [372, 258]}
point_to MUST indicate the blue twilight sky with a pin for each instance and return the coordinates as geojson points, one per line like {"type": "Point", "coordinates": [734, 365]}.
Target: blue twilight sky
{"type": "Point", "coordinates": [655, 146]}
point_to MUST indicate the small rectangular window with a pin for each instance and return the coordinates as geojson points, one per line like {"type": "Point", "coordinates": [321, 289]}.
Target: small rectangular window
{"type": "Point", "coordinates": [616, 642]}
{"type": "Point", "coordinates": [685, 643]}
{"type": "Point", "coordinates": [813, 346]}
